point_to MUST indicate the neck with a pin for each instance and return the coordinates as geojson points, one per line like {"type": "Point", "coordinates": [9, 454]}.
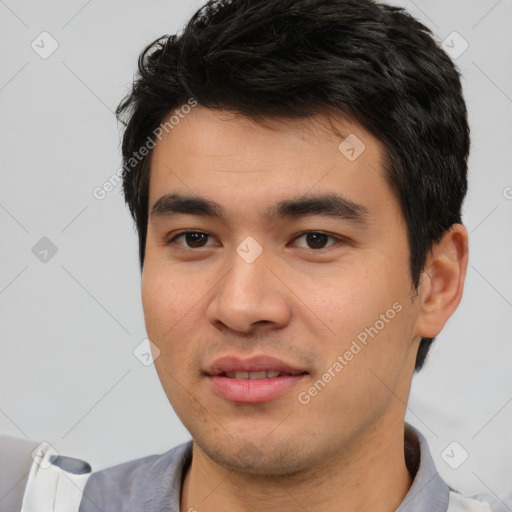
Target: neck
{"type": "Point", "coordinates": [372, 475]}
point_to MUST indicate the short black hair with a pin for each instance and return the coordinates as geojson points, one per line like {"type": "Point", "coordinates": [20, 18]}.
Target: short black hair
{"type": "Point", "coordinates": [370, 62]}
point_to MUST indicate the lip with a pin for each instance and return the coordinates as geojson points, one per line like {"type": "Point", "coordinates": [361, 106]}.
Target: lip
{"type": "Point", "coordinates": [252, 364]}
{"type": "Point", "coordinates": [252, 390]}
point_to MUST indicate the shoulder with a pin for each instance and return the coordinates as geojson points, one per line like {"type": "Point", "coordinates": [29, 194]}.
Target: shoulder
{"type": "Point", "coordinates": [135, 483]}
{"type": "Point", "coordinates": [429, 492]}
{"type": "Point", "coordinates": [479, 503]}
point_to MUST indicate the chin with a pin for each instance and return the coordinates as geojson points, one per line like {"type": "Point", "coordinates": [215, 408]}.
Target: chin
{"type": "Point", "coordinates": [257, 458]}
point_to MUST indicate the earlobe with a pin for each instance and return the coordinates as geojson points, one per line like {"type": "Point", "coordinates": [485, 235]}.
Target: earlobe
{"type": "Point", "coordinates": [442, 281]}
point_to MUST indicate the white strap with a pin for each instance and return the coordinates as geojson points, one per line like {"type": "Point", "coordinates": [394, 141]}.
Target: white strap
{"type": "Point", "coordinates": [49, 487]}
{"type": "Point", "coordinates": [481, 502]}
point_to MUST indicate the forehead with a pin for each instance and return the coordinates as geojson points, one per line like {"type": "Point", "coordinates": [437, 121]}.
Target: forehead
{"type": "Point", "coordinates": [252, 165]}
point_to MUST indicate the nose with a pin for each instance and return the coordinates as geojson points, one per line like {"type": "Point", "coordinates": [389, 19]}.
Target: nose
{"type": "Point", "coordinates": [250, 294]}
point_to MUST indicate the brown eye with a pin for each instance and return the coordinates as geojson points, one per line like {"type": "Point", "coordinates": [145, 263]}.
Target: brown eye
{"type": "Point", "coordinates": [193, 239]}
{"type": "Point", "coordinates": [316, 240]}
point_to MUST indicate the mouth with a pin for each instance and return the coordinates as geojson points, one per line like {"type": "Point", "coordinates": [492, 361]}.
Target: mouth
{"type": "Point", "coordinates": [255, 380]}
{"type": "Point", "coordinates": [264, 374]}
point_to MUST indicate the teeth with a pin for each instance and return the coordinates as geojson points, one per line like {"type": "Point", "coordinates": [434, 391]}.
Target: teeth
{"type": "Point", "coordinates": [265, 374]}
{"type": "Point", "coordinates": [257, 375]}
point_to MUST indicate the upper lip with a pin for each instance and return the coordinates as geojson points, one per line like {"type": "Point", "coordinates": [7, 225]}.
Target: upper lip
{"type": "Point", "coordinates": [253, 364]}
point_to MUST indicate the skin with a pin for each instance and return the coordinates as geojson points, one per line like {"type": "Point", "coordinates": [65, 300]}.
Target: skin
{"type": "Point", "coordinates": [304, 305]}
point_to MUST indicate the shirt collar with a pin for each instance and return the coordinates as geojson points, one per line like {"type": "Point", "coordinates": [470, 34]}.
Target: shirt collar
{"type": "Point", "coordinates": [428, 492]}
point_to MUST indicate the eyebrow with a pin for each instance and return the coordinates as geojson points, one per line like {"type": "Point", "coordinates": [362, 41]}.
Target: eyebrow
{"type": "Point", "coordinates": [329, 205]}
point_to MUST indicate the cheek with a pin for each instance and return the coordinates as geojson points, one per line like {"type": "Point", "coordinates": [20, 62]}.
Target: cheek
{"type": "Point", "coordinates": [367, 365]}
{"type": "Point", "coordinates": [170, 300]}
{"type": "Point", "coordinates": [167, 294]}
{"type": "Point", "coordinates": [157, 300]}
{"type": "Point", "coordinates": [353, 298]}
{"type": "Point", "coordinates": [371, 319]}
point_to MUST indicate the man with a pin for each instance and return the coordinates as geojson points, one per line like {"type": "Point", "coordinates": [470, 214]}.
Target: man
{"type": "Point", "coordinates": [296, 171]}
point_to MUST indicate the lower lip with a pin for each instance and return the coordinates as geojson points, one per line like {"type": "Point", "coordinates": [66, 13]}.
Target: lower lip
{"type": "Point", "coordinates": [253, 390]}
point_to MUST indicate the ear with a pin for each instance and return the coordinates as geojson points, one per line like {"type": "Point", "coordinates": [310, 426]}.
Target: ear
{"type": "Point", "coordinates": [442, 281]}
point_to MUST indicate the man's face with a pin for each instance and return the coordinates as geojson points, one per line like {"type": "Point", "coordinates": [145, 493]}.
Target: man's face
{"type": "Point", "coordinates": [327, 296]}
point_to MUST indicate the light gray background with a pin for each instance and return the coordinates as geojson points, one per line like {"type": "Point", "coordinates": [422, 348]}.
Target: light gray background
{"type": "Point", "coordinates": [69, 326]}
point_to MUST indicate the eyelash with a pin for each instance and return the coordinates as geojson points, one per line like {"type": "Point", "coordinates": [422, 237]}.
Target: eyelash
{"type": "Point", "coordinates": [337, 239]}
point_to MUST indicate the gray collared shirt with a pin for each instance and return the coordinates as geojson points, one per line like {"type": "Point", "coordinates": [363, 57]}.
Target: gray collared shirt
{"type": "Point", "coordinates": [153, 484]}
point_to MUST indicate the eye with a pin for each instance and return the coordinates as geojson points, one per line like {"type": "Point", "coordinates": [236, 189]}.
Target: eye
{"type": "Point", "coordinates": [193, 239]}
{"type": "Point", "coordinates": [316, 239]}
